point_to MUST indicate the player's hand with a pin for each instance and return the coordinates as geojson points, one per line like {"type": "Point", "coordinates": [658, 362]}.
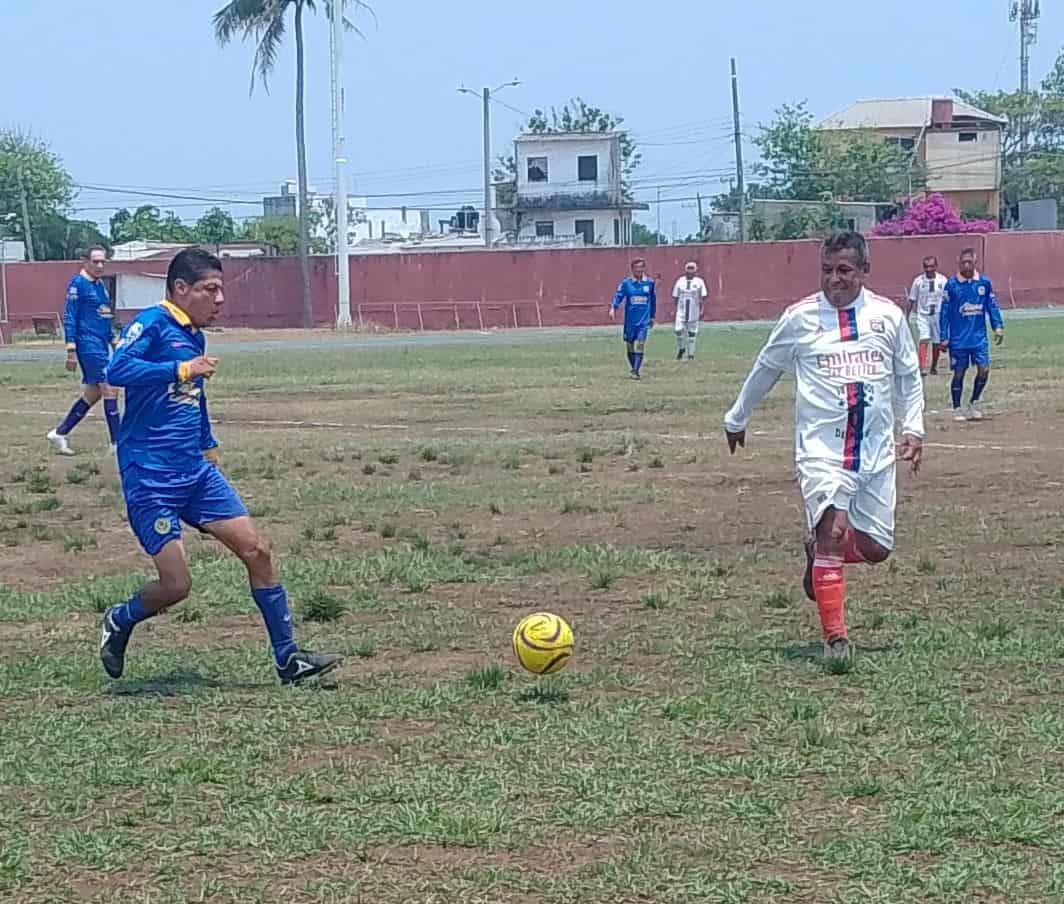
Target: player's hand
{"type": "Point", "coordinates": [212, 455]}
{"type": "Point", "coordinates": [613, 313]}
{"type": "Point", "coordinates": [202, 366]}
{"type": "Point", "coordinates": [735, 440]}
{"type": "Point", "coordinates": [652, 324]}
{"type": "Point", "coordinates": [71, 362]}
{"type": "Point", "coordinates": [911, 449]}
{"type": "Point", "coordinates": [943, 346]}
{"type": "Point", "coordinates": [999, 337]}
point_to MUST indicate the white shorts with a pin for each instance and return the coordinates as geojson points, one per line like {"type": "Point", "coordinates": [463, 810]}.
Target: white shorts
{"type": "Point", "coordinates": [868, 499]}
{"type": "Point", "coordinates": [927, 327]}
{"type": "Point", "coordinates": [688, 314]}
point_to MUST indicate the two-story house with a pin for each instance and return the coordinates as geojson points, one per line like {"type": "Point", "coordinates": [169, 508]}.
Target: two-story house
{"type": "Point", "coordinates": [958, 145]}
{"type": "Point", "coordinates": [569, 184]}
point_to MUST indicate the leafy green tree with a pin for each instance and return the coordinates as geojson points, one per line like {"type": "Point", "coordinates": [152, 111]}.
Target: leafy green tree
{"type": "Point", "coordinates": [642, 236]}
{"type": "Point", "coordinates": [34, 186]}
{"type": "Point", "coordinates": [147, 224]}
{"type": "Point", "coordinates": [57, 238]}
{"type": "Point", "coordinates": [215, 227]}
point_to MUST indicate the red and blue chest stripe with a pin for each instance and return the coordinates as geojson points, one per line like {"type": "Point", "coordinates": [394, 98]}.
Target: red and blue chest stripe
{"type": "Point", "coordinates": [848, 325]}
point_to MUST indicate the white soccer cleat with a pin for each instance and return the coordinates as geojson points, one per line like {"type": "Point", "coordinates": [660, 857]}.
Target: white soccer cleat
{"type": "Point", "coordinates": [60, 444]}
{"type": "Point", "coordinates": [974, 414]}
{"type": "Point", "coordinates": [959, 415]}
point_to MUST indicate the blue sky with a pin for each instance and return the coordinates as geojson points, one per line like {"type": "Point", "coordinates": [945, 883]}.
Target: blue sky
{"type": "Point", "coordinates": [132, 94]}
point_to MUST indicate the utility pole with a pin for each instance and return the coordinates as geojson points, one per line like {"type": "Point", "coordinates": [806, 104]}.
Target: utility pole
{"type": "Point", "coordinates": [27, 230]}
{"type": "Point", "coordinates": [739, 178]}
{"type": "Point", "coordinates": [698, 195]}
{"type": "Point", "coordinates": [658, 205]}
{"type": "Point", "coordinates": [485, 96]}
{"type": "Point", "coordinates": [343, 269]}
{"type": "Point", "coordinates": [1027, 13]}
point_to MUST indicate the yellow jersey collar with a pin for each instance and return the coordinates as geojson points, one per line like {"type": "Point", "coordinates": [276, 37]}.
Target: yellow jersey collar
{"type": "Point", "coordinates": [179, 315]}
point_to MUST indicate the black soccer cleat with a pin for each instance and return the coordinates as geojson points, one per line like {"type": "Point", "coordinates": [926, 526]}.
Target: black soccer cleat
{"type": "Point", "coordinates": [113, 646]}
{"type": "Point", "coordinates": [807, 581]}
{"type": "Point", "coordinates": [679, 355]}
{"type": "Point", "coordinates": [303, 664]}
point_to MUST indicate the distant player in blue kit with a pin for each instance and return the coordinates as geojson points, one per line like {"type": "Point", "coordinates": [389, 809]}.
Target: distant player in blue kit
{"type": "Point", "coordinates": [636, 293]}
{"type": "Point", "coordinates": [88, 326]}
{"type": "Point", "coordinates": [968, 301]}
{"type": "Point", "coordinates": [167, 456]}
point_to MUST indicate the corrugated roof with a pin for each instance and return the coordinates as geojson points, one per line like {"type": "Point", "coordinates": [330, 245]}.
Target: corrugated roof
{"type": "Point", "coordinates": [901, 113]}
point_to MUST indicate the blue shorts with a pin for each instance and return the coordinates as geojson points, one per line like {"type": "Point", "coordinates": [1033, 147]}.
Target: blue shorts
{"type": "Point", "coordinates": [158, 501]}
{"type": "Point", "coordinates": [93, 357]}
{"type": "Point", "coordinates": [963, 358]}
{"type": "Point", "coordinates": [636, 333]}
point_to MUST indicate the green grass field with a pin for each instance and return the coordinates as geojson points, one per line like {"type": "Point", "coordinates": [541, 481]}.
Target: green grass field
{"type": "Point", "coordinates": [423, 500]}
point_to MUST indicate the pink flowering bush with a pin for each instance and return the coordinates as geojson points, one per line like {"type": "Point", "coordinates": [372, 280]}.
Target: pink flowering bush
{"type": "Point", "coordinates": [934, 215]}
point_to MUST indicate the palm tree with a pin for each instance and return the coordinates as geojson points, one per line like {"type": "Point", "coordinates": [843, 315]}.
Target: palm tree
{"type": "Point", "coordinates": [264, 22]}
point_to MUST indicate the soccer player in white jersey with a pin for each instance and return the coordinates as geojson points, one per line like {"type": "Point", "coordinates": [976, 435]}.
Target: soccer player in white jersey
{"type": "Point", "coordinates": [688, 293]}
{"type": "Point", "coordinates": [855, 363]}
{"type": "Point", "coordinates": [926, 297]}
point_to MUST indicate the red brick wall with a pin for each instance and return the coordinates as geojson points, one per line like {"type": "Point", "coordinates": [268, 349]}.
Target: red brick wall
{"type": "Point", "coordinates": [480, 289]}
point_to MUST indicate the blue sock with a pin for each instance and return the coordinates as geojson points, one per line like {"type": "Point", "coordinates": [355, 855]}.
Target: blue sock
{"type": "Point", "coordinates": [129, 614]}
{"type": "Point", "coordinates": [980, 385]}
{"type": "Point", "coordinates": [956, 388]}
{"type": "Point", "coordinates": [77, 411]}
{"type": "Point", "coordinates": [273, 603]}
{"type": "Point", "coordinates": [637, 361]}
{"type": "Point", "coordinates": [110, 410]}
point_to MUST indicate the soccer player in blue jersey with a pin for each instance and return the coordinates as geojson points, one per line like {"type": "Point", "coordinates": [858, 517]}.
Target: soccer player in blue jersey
{"type": "Point", "coordinates": [968, 300]}
{"type": "Point", "coordinates": [88, 326]}
{"type": "Point", "coordinates": [167, 456]}
{"type": "Point", "coordinates": [636, 293]}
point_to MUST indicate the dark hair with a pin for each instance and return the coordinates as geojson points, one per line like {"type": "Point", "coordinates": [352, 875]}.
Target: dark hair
{"type": "Point", "coordinates": [967, 251]}
{"type": "Point", "coordinates": [88, 251]}
{"type": "Point", "coordinates": [930, 257]}
{"type": "Point", "coordinates": [847, 241]}
{"type": "Point", "coordinates": [639, 260]}
{"type": "Point", "coordinates": [190, 265]}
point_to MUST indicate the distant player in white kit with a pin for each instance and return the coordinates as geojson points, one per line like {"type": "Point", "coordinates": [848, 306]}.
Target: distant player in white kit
{"type": "Point", "coordinates": [926, 297]}
{"type": "Point", "coordinates": [856, 369]}
{"type": "Point", "coordinates": [688, 293]}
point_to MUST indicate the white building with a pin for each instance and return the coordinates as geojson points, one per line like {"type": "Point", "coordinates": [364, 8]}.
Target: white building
{"type": "Point", "coordinates": [958, 144]}
{"type": "Point", "coordinates": [569, 184]}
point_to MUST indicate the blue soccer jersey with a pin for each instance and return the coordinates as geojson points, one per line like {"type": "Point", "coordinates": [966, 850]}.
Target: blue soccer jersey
{"type": "Point", "coordinates": [165, 426]}
{"type": "Point", "coordinates": [640, 306]}
{"type": "Point", "coordinates": [87, 314]}
{"type": "Point", "coordinates": [965, 306]}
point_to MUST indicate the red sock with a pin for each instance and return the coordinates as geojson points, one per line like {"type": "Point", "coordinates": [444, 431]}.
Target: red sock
{"type": "Point", "coordinates": [923, 351]}
{"type": "Point", "coordinates": [851, 553]}
{"type": "Point", "coordinates": [829, 582]}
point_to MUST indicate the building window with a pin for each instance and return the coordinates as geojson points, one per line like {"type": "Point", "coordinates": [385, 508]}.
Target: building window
{"type": "Point", "coordinates": [587, 168]}
{"type": "Point", "coordinates": [967, 136]}
{"type": "Point", "coordinates": [586, 228]}
{"type": "Point", "coordinates": [544, 229]}
{"type": "Point", "coordinates": [537, 169]}
{"type": "Point", "coordinates": [616, 232]}
{"type": "Point", "coordinates": [905, 144]}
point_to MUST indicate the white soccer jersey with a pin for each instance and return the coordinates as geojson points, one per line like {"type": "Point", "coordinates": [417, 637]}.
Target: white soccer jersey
{"type": "Point", "coordinates": [689, 293]}
{"type": "Point", "coordinates": [927, 294]}
{"type": "Point", "coordinates": [856, 371]}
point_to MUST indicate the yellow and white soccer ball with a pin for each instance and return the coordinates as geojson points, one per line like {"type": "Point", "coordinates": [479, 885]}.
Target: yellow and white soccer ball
{"type": "Point", "coordinates": [543, 643]}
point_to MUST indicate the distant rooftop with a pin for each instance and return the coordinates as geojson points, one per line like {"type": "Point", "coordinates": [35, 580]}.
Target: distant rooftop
{"type": "Point", "coordinates": [565, 136]}
{"type": "Point", "coordinates": [903, 113]}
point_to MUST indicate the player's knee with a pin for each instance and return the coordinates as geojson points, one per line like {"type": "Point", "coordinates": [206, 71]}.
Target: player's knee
{"type": "Point", "coordinates": [875, 553]}
{"type": "Point", "coordinates": [639, 346]}
{"type": "Point", "coordinates": [692, 333]}
{"type": "Point", "coordinates": [256, 553]}
{"type": "Point", "coordinates": [175, 587]}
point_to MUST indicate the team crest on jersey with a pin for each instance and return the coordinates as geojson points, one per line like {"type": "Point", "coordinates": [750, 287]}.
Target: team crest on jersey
{"type": "Point", "coordinates": [162, 526]}
{"type": "Point", "coordinates": [982, 290]}
{"type": "Point", "coordinates": [877, 325]}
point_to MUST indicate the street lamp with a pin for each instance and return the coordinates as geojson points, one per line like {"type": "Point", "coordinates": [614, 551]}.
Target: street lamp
{"type": "Point", "coordinates": [486, 96]}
